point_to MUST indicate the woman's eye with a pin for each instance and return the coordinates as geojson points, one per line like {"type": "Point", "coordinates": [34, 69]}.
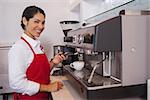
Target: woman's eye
{"type": "Point", "coordinates": [36, 22]}
{"type": "Point", "coordinates": [43, 22]}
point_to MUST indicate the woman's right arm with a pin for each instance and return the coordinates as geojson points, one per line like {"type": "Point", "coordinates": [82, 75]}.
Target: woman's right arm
{"type": "Point", "coordinates": [52, 87]}
{"type": "Point", "coordinates": [17, 71]}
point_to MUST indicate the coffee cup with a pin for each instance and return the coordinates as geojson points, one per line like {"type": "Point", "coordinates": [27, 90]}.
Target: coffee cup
{"type": "Point", "coordinates": [78, 65]}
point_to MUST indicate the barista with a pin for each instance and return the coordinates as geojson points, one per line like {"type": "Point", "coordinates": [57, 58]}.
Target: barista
{"type": "Point", "coordinates": [29, 68]}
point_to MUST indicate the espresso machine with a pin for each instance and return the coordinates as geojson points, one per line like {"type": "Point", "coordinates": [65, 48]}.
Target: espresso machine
{"type": "Point", "coordinates": [115, 53]}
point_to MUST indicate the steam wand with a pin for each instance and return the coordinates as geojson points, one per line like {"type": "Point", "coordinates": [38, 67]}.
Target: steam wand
{"type": "Point", "coordinates": [94, 68]}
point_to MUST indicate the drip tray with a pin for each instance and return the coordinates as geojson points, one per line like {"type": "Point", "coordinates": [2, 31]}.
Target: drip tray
{"type": "Point", "coordinates": [98, 81]}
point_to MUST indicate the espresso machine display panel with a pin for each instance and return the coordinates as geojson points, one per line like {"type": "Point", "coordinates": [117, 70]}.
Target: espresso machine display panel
{"type": "Point", "coordinates": [115, 53]}
{"type": "Point", "coordinates": [108, 35]}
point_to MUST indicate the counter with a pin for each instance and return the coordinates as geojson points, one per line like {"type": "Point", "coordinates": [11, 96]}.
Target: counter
{"type": "Point", "coordinates": [69, 93]}
{"type": "Point", "coordinates": [63, 93]}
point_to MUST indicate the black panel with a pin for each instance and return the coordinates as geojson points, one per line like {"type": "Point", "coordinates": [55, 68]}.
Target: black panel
{"type": "Point", "coordinates": [108, 35]}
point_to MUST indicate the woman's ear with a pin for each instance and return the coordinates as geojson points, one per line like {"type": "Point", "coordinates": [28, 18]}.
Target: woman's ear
{"type": "Point", "coordinates": [24, 20]}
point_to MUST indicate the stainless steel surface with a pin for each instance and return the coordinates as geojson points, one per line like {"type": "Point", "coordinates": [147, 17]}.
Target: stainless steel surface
{"type": "Point", "coordinates": [148, 60]}
{"type": "Point", "coordinates": [82, 37]}
{"type": "Point", "coordinates": [134, 50]}
{"type": "Point", "coordinates": [4, 82]}
{"type": "Point", "coordinates": [107, 64]}
{"type": "Point", "coordinates": [4, 60]}
{"type": "Point", "coordinates": [98, 81]}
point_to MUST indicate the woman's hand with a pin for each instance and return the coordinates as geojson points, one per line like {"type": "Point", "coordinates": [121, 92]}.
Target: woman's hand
{"type": "Point", "coordinates": [52, 87]}
{"type": "Point", "coordinates": [58, 58]}
{"type": "Point", "coordinates": [55, 86]}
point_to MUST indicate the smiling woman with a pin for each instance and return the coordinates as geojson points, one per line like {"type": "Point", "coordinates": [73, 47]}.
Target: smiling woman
{"type": "Point", "coordinates": [34, 25]}
{"type": "Point", "coordinates": [29, 68]}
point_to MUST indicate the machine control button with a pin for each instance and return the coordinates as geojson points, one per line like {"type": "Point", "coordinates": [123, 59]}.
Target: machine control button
{"type": "Point", "coordinates": [133, 49]}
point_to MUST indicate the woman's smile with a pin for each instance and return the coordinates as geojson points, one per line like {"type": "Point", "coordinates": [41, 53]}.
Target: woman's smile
{"type": "Point", "coordinates": [35, 25]}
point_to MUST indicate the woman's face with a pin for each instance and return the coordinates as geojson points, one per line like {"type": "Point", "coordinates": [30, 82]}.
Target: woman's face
{"type": "Point", "coordinates": [35, 25]}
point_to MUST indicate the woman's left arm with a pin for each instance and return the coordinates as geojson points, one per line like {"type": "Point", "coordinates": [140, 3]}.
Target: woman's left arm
{"type": "Point", "coordinates": [57, 59]}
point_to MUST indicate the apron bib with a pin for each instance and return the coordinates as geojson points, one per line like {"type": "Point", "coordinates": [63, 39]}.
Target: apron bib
{"type": "Point", "coordinates": [38, 71]}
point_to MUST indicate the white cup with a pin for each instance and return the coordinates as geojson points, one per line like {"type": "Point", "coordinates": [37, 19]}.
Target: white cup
{"type": "Point", "coordinates": [78, 65]}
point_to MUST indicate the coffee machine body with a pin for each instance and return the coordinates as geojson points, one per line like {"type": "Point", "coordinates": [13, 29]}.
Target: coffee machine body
{"type": "Point", "coordinates": [118, 49]}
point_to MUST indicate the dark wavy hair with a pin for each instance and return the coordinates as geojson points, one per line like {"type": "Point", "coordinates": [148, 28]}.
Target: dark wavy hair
{"type": "Point", "coordinates": [29, 12]}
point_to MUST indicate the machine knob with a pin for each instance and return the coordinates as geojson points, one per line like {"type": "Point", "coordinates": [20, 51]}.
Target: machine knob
{"type": "Point", "coordinates": [68, 39]}
{"type": "Point", "coordinates": [75, 39]}
{"type": "Point", "coordinates": [88, 38]}
{"type": "Point", "coordinates": [81, 39]}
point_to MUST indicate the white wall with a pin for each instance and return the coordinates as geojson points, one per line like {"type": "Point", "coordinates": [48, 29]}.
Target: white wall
{"type": "Point", "coordinates": [0, 19]}
{"type": "Point", "coordinates": [56, 11]}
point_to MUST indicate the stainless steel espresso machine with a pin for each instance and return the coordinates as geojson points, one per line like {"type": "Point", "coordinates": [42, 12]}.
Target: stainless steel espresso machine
{"type": "Point", "coordinates": [115, 53]}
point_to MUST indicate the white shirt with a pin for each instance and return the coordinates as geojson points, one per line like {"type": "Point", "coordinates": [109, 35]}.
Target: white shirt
{"type": "Point", "coordinates": [20, 57]}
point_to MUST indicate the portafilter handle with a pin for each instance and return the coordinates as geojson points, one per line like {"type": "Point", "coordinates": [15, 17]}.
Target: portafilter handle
{"type": "Point", "coordinates": [70, 53]}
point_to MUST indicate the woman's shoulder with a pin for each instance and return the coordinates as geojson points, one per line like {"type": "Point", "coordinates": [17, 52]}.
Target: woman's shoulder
{"type": "Point", "coordinates": [19, 45]}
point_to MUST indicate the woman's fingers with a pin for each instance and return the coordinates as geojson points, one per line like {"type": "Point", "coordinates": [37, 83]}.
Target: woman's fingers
{"type": "Point", "coordinates": [59, 85]}
{"type": "Point", "coordinates": [62, 57]}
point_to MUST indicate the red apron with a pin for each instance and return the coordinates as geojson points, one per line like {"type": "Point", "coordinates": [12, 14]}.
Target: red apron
{"type": "Point", "coordinates": [38, 71]}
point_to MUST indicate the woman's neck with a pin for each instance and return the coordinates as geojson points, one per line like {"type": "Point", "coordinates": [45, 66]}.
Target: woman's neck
{"type": "Point", "coordinates": [30, 35]}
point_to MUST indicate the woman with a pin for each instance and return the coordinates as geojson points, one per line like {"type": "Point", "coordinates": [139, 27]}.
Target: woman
{"type": "Point", "coordinates": [29, 68]}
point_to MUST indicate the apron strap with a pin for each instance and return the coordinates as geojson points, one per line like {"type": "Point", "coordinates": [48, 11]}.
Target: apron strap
{"type": "Point", "coordinates": [28, 45]}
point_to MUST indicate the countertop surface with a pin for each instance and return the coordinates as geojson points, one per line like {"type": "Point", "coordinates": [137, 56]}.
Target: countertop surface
{"type": "Point", "coordinates": [67, 92]}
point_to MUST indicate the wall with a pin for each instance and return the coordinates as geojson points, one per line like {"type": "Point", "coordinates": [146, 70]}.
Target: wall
{"type": "Point", "coordinates": [56, 11]}
{"type": "Point", "coordinates": [0, 20]}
